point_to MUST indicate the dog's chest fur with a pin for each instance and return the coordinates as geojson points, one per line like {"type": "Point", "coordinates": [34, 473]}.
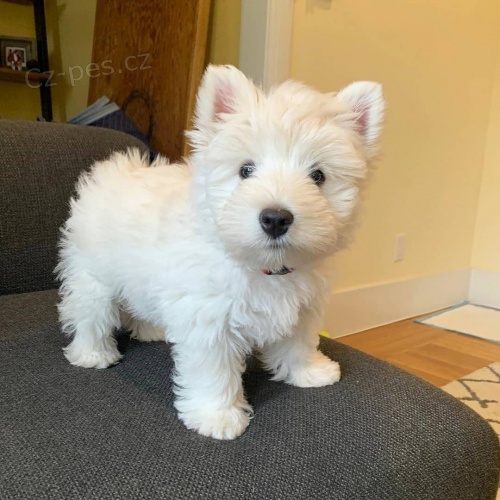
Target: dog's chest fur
{"type": "Point", "coordinates": [217, 300]}
{"type": "Point", "coordinates": [268, 307]}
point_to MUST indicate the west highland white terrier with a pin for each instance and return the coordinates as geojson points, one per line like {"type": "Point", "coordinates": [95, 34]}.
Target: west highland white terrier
{"type": "Point", "coordinates": [222, 255]}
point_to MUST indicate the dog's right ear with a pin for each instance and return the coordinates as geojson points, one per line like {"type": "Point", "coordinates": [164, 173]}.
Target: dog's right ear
{"type": "Point", "coordinates": [222, 92]}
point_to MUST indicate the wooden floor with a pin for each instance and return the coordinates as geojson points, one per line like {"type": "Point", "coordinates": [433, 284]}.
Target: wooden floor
{"type": "Point", "coordinates": [433, 354]}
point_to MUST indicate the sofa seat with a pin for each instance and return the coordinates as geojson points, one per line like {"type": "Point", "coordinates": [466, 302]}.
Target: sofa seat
{"type": "Point", "coordinates": [73, 433]}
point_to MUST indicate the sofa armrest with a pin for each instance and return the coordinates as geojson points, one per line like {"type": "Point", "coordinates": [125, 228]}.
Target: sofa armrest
{"type": "Point", "coordinates": [39, 164]}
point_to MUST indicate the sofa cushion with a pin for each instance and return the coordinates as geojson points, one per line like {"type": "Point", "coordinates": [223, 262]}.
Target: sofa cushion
{"type": "Point", "coordinates": [73, 433]}
{"type": "Point", "coordinates": [39, 165]}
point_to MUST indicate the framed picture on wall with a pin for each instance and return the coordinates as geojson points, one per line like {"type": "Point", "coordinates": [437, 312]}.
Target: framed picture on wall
{"type": "Point", "coordinates": [15, 52]}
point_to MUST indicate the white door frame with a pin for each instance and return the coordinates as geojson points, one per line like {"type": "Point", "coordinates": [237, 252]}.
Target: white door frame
{"type": "Point", "coordinates": [265, 40]}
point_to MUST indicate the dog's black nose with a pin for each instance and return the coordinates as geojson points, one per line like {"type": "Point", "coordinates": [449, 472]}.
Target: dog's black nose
{"type": "Point", "coordinates": [275, 222]}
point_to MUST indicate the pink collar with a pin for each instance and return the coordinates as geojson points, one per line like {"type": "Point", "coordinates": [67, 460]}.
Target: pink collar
{"type": "Point", "coordinates": [283, 270]}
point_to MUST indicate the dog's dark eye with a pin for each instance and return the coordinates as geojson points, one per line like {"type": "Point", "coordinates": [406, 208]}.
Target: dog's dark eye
{"type": "Point", "coordinates": [317, 176]}
{"type": "Point", "coordinates": [247, 169]}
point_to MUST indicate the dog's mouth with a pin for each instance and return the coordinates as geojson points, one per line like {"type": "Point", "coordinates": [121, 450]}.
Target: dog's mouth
{"type": "Point", "coordinates": [278, 244]}
{"type": "Point", "coordinates": [278, 247]}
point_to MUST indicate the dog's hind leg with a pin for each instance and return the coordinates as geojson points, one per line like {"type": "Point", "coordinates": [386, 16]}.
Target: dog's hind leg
{"type": "Point", "coordinates": [141, 330]}
{"type": "Point", "coordinates": [89, 313]}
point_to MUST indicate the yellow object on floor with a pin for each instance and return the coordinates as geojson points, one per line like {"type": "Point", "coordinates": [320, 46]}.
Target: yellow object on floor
{"type": "Point", "coordinates": [324, 334]}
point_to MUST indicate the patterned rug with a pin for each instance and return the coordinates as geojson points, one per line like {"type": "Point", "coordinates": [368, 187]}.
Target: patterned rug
{"type": "Point", "coordinates": [481, 391]}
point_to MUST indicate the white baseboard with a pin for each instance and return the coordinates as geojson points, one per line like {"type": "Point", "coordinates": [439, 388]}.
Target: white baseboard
{"type": "Point", "coordinates": [359, 309]}
{"type": "Point", "coordinates": [485, 288]}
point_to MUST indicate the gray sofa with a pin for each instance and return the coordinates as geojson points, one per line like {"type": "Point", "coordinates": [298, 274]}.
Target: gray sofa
{"type": "Point", "coordinates": [70, 433]}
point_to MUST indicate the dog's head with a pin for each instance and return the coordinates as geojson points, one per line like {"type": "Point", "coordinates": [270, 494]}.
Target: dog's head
{"type": "Point", "coordinates": [280, 172]}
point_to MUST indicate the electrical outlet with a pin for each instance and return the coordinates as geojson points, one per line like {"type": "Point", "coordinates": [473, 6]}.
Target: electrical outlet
{"type": "Point", "coordinates": [399, 247]}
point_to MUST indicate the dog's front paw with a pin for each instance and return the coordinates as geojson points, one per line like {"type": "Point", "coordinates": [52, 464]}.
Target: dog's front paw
{"type": "Point", "coordinates": [92, 359]}
{"type": "Point", "coordinates": [224, 423]}
{"type": "Point", "coordinates": [323, 371]}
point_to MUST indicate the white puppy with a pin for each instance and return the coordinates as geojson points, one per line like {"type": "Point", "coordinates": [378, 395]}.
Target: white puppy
{"type": "Point", "coordinates": [222, 255]}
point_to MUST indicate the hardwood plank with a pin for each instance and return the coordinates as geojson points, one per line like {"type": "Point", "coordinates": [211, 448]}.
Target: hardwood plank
{"type": "Point", "coordinates": [436, 355]}
{"type": "Point", "coordinates": [373, 337]}
{"type": "Point", "coordinates": [388, 340]}
{"type": "Point", "coordinates": [438, 368]}
{"type": "Point", "coordinates": [467, 362]}
{"type": "Point", "coordinates": [470, 345]}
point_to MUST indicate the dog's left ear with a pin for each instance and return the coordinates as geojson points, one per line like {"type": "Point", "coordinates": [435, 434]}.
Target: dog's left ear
{"type": "Point", "coordinates": [366, 100]}
{"type": "Point", "coordinates": [222, 92]}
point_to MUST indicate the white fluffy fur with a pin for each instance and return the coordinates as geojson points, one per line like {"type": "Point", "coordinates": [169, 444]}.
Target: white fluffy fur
{"type": "Point", "coordinates": [177, 250]}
